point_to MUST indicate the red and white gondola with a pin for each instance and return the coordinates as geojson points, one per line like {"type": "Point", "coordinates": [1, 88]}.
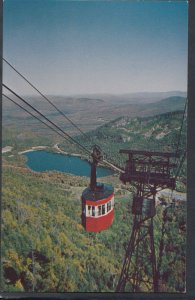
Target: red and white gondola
{"type": "Point", "coordinates": [97, 201]}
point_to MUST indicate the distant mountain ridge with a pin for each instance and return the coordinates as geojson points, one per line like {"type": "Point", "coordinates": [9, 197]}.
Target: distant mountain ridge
{"type": "Point", "coordinates": [141, 97]}
{"type": "Point", "coordinates": [90, 113]}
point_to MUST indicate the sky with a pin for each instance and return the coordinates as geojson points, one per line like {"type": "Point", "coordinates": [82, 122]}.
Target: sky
{"type": "Point", "coordinates": [85, 47]}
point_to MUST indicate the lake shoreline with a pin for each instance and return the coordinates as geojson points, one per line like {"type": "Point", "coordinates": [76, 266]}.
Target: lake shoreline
{"type": "Point", "coordinates": [56, 150]}
{"type": "Point", "coordinates": [35, 148]}
{"type": "Point", "coordinates": [42, 161]}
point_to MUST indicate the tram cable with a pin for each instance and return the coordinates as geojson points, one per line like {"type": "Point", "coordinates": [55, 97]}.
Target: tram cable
{"type": "Point", "coordinates": [117, 168]}
{"type": "Point", "coordinates": [46, 98]}
{"type": "Point", "coordinates": [180, 165]}
{"type": "Point", "coordinates": [35, 116]}
{"type": "Point", "coordinates": [51, 122]}
{"type": "Point", "coordinates": [181, 127]}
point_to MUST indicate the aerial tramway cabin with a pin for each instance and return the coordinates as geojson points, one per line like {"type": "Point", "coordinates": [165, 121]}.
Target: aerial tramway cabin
{"type": "Point", "coordinates": [97, 201]}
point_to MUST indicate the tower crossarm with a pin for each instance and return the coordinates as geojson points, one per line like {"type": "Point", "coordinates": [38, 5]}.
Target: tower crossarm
{"type": "Point", "coordinates": [149, 167]}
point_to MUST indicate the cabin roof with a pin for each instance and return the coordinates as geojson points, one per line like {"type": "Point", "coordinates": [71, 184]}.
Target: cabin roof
{"type": "Point", "coordinates": [103, 192]}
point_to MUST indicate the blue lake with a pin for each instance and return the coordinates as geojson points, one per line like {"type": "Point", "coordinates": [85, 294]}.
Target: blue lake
{"type": "Point", "coordinates": [41, 161]}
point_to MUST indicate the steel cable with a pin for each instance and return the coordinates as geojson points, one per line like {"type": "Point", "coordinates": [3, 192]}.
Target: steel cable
{"type": "Point", "coordinates": [42, 115]}
{"type": "Point", "coordinates": [34, 116]}
{"type": "Point", "coordinates": [46, 98]}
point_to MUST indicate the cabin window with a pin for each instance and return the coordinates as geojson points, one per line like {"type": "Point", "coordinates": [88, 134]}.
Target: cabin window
{"type": "Point", "coordinates": [103, 209]}
{"type": "Point", "coordinates": [89, 210]}
{"type": "Point", "coordinates": [93, 211]}
{"type": "Point", "coordinates": [112, 202]}
{"type": "Point", "coordinates": [99, 210]}
{"type": "Point", "coordinates": [109, 206]}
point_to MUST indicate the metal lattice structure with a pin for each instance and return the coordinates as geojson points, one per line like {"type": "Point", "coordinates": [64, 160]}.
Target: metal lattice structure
{"type": "Point", "coordinates": [149, 172]}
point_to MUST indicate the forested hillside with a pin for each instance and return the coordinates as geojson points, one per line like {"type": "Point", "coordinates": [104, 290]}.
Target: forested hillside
{"type": "Point", "coordinates": [45, 248]}
{"type": "Point", "coordinates": [157, 132]}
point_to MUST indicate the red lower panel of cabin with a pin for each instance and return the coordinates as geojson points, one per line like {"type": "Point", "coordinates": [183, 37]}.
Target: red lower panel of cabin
{"type": "Point", "coordinates": [98, 224]}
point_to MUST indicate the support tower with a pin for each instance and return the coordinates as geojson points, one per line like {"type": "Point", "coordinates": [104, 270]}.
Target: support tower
{"type": "Point", "coordinates": [149, 172]}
